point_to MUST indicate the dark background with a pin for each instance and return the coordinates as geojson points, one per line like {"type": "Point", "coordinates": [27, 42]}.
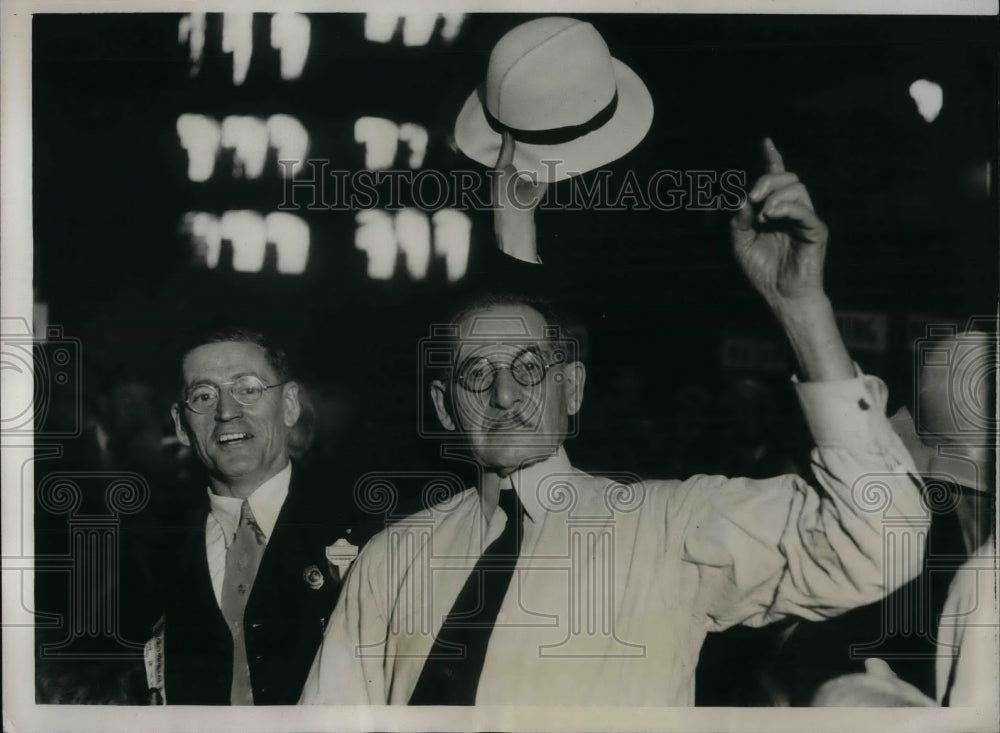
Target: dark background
{"type": "Point", "coordinates": [912, 232]}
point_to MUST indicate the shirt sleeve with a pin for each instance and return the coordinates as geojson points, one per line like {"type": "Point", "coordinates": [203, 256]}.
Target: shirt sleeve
{"type": "Point", "coordinates": [348, 668]}
{"type": "Point", "coordinates": [763, 550]}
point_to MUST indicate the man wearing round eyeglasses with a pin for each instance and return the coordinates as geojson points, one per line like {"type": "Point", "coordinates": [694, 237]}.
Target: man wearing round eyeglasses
{"type": "Point", "coordinates": [545, 585]}
{"type": "Point", "coordinates": [253, 582]}
{"type": "Point", "coordinates": [515, 385]}
{"type": "Point", "coordinates": [236, 413]}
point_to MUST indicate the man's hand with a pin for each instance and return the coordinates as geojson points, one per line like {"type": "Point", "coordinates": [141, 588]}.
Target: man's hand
{"type": "Point", "coordinates": [779, 241]}
{"type": "Point", "coordinates": [780, 244]}
{"type": "Point", "coordinates": [515, 199]}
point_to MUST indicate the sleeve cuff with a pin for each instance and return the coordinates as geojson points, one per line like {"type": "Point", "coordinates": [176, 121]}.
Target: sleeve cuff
{"type": "Point", "coordinates": [843, 412]}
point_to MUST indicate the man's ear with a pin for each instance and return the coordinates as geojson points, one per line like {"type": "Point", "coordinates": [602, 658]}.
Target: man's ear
{"type": "Point", "coordinates": [574, 377]}
{"type": "Point", "coordinates": [290, 403]}
{"type": "Point", "coordinates": [182, 436]}
{"type": "Point", "coordinates": [439, 395]}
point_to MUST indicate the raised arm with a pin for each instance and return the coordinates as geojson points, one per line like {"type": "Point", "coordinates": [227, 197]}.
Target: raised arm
{"type": "Point", "coordinates": [780, 244]}
{"type": "Point", "coordinates": [762, 550]}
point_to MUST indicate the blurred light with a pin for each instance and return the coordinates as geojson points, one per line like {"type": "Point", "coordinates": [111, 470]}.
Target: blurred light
{"type": "Point", "coordinates": [206, 237]}
{"type": "Point", "coordinates": [380, 27]}
{"type": "Point", "coordinates": [291, 239]}
{"type": "Point", "coordinates": [237, 39]}
{"type": "Point", "coordinates": [418, 28]}
{"type": "Point", "coordinates": [929, 98]}
{"type": "Point", "coordinates": [382, 238]}
{"type": "Point", "coordinates": [380, 138]}
{"type": "Point", "coordinates": [191, 30]}
{"type": "Point", "coordinates": [452, 232]}
{"type": "Point", "coordinates": [200, 136]}
{"type": "Point", "coordinates": [452, 25]}
{"type": "Point", "coordinates": [415, 136]}
{"type": "Point", "coordinates": [248, 137]}
{"type": "Point", "coordinates": [291, 141]}
{"type": "Point", "coordinates": [248, 235]}
{"type": "Point", "coordinates": [290, 35]}
{"type": "Point", "coordinates": [413, 234]}
{"type": "Point", "coordinates": [376, 238]}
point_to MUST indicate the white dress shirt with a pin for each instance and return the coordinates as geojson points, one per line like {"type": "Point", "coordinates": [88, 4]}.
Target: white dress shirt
{"type": "Point", "coordinates": [619, 580]}
{"type": "Point", "coordinates": [224, 519]}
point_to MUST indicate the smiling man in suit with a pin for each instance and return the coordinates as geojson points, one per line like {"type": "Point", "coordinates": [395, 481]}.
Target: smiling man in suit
{"type": "Point", "coordinates": [250, 586]}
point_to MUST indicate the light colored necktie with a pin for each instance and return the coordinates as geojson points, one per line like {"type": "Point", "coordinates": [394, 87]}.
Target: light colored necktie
{"type": "Point", "coordinates": [242, 560]}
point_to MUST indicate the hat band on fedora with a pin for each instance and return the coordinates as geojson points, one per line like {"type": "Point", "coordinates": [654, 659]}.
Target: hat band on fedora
{"type": "Point", "coordinates": [556, 135]}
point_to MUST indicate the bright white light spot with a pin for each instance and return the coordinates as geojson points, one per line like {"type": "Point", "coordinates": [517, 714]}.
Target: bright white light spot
{"type": "Point", "coordinates": [191, 30]}
{"type": "Point", "coordinates": [413, 233]}
{"type": "Point", "coordinates": [380, 138]}
{"type": "Point", "coordinates": [380, 27]}
{"type": "Point", "coordinates": [929, 98]}
{"type": "Point", "coordinates": [418, 28]}
{"type": "Point", "coordinates": [376, 238]}
{"type": "Point", "coordinates": [199, 137]}
{"type": "Point", "coordinates": [291, 239]}
{"type": "Point", "coordinates": [416, 138]}
{"type": "Point", "coordinates": [246, 231]}
{"type": "Point", "coordinates": [237, 39]}
{"type": "Point", "coordinates": [291, 141]}
{"type": "Point", "coordinates": [452, 25]}
{"type": "Point", "coordinates": [452, 233]}
{"type": "Point", "coordinates": [290, 35]}
{"type": "Point", "coordinates": [248, 138]}
{"type": "Point", "coordinates": [206, 237]}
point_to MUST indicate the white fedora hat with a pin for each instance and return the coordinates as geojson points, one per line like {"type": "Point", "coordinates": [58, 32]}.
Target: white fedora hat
{"type": "Point", "coordinates": [552, 83]}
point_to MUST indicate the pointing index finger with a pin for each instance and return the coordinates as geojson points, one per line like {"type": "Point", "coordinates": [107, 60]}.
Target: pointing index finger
{"type": "Point", "coordinates": [775, 163]}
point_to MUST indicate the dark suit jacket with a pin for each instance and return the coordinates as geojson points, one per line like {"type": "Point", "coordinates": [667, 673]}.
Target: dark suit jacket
{"type": "Point", "coordinates": [285, 615]}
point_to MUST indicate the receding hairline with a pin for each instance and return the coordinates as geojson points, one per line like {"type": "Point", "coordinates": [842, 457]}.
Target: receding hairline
{"type": "Point", "coordinates": [273, 353]}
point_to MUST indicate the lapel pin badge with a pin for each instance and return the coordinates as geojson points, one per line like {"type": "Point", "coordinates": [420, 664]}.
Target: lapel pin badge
{"type": "Point", "coordinates": [313, 577]}
{"type": "Point", "coordinates": [341, 554]}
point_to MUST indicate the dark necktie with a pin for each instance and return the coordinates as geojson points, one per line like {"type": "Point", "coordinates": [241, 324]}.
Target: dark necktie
{"type": "Point", "coordinates": [451, 672]}
{"type": "Point", "coordinates": [242, 560]}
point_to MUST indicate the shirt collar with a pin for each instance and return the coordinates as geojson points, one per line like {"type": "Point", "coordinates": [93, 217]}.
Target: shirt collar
{"type": "Point", "coordinates": [265, 502]}
{"type": "Point", "coordinates": [531, 482]}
